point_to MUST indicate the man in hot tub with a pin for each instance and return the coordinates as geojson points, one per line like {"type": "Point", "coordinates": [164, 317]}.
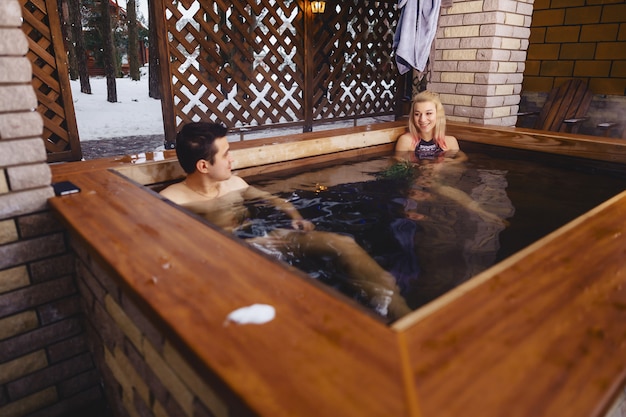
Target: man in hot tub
{"type": "Point", "coordinates": [211, 190]}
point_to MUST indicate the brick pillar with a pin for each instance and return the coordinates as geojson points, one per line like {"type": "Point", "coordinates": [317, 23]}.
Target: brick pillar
{"type": "Point", "coordinates": [479, 59]}
{"type": "Point", "coordinates": [45, 365]}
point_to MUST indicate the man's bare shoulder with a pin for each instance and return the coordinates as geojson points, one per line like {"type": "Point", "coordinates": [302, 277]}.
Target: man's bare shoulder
{"type": "Point", "coordinates": [235, 182]}
{"type": "Point", "coordinates": [177, 193]}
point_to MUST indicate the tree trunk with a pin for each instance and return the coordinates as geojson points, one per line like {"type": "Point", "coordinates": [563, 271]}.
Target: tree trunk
{"type": "Point", "coordinates": [68, 37]}
{"type": "Point", "coordinates": [108, 48]}
{"type": "Point", "coordinates": [133, 40]}
{"type": "Point", "coordinates": [78, 40]}
{"type": "Point", "coordinates": [154, 80]}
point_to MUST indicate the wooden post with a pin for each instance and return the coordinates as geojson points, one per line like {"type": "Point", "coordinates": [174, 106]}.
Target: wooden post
{"type": "Point", "coordinates": [308, 67]}
{"type": "Point", "coordinates": [167, 95]}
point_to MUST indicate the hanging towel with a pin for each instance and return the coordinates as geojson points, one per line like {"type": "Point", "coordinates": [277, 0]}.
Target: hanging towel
{"type": "Point", "coordinates": [415, 33]}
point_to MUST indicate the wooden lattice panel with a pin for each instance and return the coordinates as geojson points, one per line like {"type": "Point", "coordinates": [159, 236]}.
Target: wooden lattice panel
{"type": "Point", "coordinates": [244, 62]}
{"type": "Point", "coordinates": [50, 79]}
{"type": "Point", "coordinates": [355, 69]}
{"type": "Point", "coordinates": [231, 61]}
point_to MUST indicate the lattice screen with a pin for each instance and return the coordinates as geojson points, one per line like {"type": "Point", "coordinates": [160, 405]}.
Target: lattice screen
{"type": "Point", "coordinates": [356, 73]}
{"type": "Point", "coordinates": [244, 62]}
{"type": "Point", "coordinates": [50, 79]}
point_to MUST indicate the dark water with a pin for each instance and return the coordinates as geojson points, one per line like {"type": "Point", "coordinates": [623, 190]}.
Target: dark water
{"type": "Point", "coordinates": [442, 223]}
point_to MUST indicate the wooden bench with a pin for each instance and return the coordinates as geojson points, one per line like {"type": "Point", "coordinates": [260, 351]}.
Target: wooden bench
{"type": "Point", "coordinates": [565, 108]}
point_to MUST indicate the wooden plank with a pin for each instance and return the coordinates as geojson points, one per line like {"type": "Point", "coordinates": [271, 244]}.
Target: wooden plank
{"type": "Point", "coordinates": [557, 345]}
{"type": "Point", "coordinates": [568, 101]}
{"type": "Point", "coordinates": [590, 147]}
{"type": "Point", "coordinates": [539, 334]}
{"type": "Point", "coordinates": [320, 345]}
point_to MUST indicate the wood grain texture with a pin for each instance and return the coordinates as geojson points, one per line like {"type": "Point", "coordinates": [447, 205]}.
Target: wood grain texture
{"type": "Point", "coordinates": [190, 277]}
{"type": "Point", "coordinates": [589, 147]}
{"type": "Point", "coordinates": [540, 334]}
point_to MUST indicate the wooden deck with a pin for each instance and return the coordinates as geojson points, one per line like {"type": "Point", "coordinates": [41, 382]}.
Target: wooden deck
{"type": "Point", "coordinates": [540, 334]}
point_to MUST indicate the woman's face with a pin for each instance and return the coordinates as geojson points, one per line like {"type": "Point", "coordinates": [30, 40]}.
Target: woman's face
{"type": "Point", "coordinates": [425, 117]}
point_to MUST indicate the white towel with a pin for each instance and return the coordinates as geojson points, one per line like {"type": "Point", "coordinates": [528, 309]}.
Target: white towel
{"type": "Point", "coordinates": [415, 33]}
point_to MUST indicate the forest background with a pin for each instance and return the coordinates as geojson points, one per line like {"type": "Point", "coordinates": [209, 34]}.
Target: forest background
{"type": "Point", "coordinates": [112, 37]}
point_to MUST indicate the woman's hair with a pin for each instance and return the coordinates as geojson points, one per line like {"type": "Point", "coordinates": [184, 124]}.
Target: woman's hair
{"type": "Point", "coordinates": [439, 133]}
{"type": "Point", "coordinates": [196, 141]}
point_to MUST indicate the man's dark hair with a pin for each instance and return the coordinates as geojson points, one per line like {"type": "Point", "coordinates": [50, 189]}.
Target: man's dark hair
{"type": "Point", "coordinates": [196, 141]}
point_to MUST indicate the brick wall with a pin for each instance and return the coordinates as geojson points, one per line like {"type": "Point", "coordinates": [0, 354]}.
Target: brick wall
{"type": "Point", "coordinates": [45, 366]}
{"type": "Point", "coordinates": [144, 373]}
{"type": "Point", "coordinates": [583, 39]}
{"type": "Point", "coordinates": [479, 59]}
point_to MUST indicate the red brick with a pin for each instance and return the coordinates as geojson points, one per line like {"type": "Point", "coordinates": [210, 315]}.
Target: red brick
{"type": "Point", "coordinates": [87, 403]}
{"type": "Point", "coordinates": [108, 331]}
{"type": "Point", "coordinates": [577, 51]}
{"type": "Point", "coordinates": [610, 86]}
{"type": "Point", "coordinates": [537, 83]}
{"type": "Point", "coordinates": [593, 68]}
{"type": "Point", "coordinates": [599, 33]}
{"type": "Point", "coordinates": [141, 408]}
{"type": "Point", "coordinates": [51, 268]}
{"type": "Point", "coordinates": [532, 68]}
{"type": "Point", "coordinates": [618, 70]}
{"type": "Point", "coordinates": [49, 376]}
{"type": "Point", "coordinates": [78, 383]}
{"type": "Point", "coordinates": [582, 15]}
{"type": "Point", "coordinates": [541, 4]}
{"type": "Point", "coordinates": [67, 348]}
{"type": "Point", "coordinates": [38, 339]}
{"type": "Point", "coordinates": [155, 385]}
{"type": "Point", "coordinates": [548, 18]}
{"type": "Point", "coordinates": [36, 295]}
{"type": "Point", "coordinates": [59, 310]}
{"type": "Point", "coordinates": [566, 3]}
{"type": "Point", "coordinates": [24, 251]}
{"type": "Point", "coordinates": [543, 52]}
{"type": "Point", "coordinates": [94, 265]}
{"type": "Point", "coordinates": [611, 51]}
{"type": "Point", "coordinates": [557, 68]}
{"type": "Point", "coordinates": [537, 35]}
{"type": "Point", "coordinates": [38, 224]}
{"type": "Point", "coordinates": [91, 283]}
{"type": "Point", "coordinates": [614, 13]}
{"type": "Point", "coordinates": [143, 323]}
{"type": "Point", "coordinates": [557, 34]}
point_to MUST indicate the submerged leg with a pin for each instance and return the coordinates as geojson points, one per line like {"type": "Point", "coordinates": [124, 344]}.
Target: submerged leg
{"type": "Point", "coordinates": [379, 285]}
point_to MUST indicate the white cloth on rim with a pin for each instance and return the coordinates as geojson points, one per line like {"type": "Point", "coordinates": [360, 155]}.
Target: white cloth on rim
{"type": "Point", "coordinates": [416, 31]}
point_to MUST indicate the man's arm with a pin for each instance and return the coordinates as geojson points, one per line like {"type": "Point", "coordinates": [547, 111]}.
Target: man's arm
{"type": "Point", "coordinates": [253, 193]}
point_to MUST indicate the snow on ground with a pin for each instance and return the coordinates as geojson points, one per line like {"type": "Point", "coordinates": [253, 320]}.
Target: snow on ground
{"type": "Point", "coordinates": [134, 114]}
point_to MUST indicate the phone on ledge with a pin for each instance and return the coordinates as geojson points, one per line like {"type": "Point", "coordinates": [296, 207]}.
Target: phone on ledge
{"type": "Point", "coordinates": [65, 188]}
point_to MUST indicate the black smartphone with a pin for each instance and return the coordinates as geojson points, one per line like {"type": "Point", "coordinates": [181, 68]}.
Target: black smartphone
{"type": "Point", "coordinates": [65, 188]}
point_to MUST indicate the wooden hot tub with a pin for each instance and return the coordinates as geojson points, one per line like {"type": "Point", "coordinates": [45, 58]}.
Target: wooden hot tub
{"type": "Point", "coordinates": [494, 346]}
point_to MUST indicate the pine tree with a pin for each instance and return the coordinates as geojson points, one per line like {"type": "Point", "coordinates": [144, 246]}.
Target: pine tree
{"type": "Point", "coordinates": [133, 40]}
{"type": "Point", "coordinates": [108, 47]}
{"type": "Point", "coordinates": [78, 43]}
{"type": "Point", "coordinates": [154, 83]}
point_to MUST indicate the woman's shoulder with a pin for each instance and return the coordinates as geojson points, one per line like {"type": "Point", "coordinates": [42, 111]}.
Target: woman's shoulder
{"type": "Point", "coordinates": [405, 142]}
{"type": "Point", "coordinates": [452, 143]}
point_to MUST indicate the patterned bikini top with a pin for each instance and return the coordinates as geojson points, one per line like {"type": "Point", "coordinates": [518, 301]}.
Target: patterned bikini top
{"type": "Point", "coordinates": [427, 149]}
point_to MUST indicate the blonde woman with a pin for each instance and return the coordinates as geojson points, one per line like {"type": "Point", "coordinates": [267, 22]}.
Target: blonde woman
{"type": "Point", "coordinates": [427, 129]}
